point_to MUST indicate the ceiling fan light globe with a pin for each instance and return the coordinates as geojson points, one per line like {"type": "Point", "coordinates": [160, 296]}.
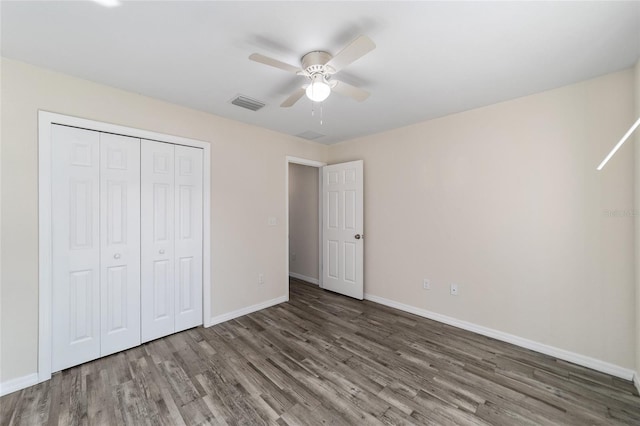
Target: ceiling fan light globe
{"type": "Point", "coordinates": [318, 90]}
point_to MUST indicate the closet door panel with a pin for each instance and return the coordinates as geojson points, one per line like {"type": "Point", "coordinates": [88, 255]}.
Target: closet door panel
{"type": "Point", "coordinates": [120, 242]}
{"type": "Point", "coordinates": [188, 236]}
{"type": "Point", "coordinates": [76, 246]}
{"type": "Point", "coordinates": [157, 234]}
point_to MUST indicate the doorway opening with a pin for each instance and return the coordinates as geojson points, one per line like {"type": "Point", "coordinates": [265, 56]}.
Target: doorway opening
{"type": "Point", "coordinates": [304, 221]}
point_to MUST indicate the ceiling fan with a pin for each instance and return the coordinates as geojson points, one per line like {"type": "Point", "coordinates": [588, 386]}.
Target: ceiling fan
{"type": "Point", "coordinates": [319, 67]}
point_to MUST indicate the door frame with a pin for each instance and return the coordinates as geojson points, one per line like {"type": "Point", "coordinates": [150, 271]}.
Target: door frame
{"type": "Point", "coordinates": [45, 267]}
{"type": "Point", "coordinates": [319, 165]}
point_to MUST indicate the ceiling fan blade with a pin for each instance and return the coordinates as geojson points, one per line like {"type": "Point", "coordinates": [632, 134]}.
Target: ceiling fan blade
{"type": "Point", "coordinates": [354, 92]}
{"type": "Point", "coordinates": [354, 51]}
{"type": "Point", "coordinates": [273, 62]}
{"type": "Point", "coordinates": [295, 97]}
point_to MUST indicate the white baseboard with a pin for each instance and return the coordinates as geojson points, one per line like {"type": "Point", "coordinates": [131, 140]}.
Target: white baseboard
{"type": "Point", "coordinates": [244, 311]}
{"type": "Point", "coordinates": [585, 361]}
{"type": "Point", "coordinates": [304, 278]}
{"type": "Point", "coordinates": [18, 383]}
{"type": "Point", "coordinates": [636, 381]}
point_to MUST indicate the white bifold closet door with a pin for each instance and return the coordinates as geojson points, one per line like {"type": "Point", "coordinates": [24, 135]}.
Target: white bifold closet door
{"type": "Point", "coordinates": [171, 238]}
{"type": "Point", "coordinates": [119, 243]}
{"type": "Point", "coordinates": [96, 231]}
{"type": "Point", "coordinates": [188, 237]}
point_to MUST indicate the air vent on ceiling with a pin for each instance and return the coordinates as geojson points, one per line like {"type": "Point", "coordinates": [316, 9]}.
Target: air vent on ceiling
{"type": "Point", "coordinates": [248, 103]}
{"type": "Point", "coordinates": [310, 135]}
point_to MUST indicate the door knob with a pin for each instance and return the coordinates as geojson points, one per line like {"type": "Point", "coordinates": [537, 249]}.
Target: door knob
{"type": "Point", "coordinates": [358, 236]}
{"type": "Point", "coordinates": [116, 256]}
{"type": "Point", "coordinates": [161, 251]}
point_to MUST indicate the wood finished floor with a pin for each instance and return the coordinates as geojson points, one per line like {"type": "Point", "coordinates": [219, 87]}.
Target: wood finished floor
{"type": "Point", "coordinates": [326, 359]}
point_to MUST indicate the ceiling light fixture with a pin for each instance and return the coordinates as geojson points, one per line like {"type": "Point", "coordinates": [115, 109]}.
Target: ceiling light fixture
{"type": "Point", "coordinates": [619, 144]}
{"type": "Point", "coordinates": [319, 89]}
{"type": "Point", "coordinates": [108, 3]}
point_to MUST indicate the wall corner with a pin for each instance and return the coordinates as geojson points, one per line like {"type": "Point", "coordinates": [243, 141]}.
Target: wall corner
{"type": "Point", "coordinates": [636, 204]}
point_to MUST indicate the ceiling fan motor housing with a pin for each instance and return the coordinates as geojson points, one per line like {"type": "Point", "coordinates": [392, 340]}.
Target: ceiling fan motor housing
{"type": "Point", "coordinates": [314, 63]}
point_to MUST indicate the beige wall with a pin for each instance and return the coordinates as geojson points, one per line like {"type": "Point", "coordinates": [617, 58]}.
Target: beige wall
{"type": "Point", "coordinates": [506, 202]}
{"type": "Point", "coordinates": [303, 220]}
{"type": "Point", "coordinates": [247, 170]}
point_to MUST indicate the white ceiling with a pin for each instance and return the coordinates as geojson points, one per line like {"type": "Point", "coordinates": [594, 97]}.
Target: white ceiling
{"type": "Point", "coordinates": [432, 58]}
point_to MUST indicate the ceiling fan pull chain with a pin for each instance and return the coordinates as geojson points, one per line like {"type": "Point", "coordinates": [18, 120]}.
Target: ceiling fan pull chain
{"type": "Point", "coordinates": [321, 114]}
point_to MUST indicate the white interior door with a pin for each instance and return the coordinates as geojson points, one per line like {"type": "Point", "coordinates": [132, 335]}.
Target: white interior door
{"type": "Point", "coordinates": [157, 239]}
{"type": "Point", "coordinates": [119, 243]}
{"type": "Point", "coordinates": [76, 246]}
{"type": "Point", "coordinates": [342, 236]}
{"type": "Point", "coordinates": [188, 237]}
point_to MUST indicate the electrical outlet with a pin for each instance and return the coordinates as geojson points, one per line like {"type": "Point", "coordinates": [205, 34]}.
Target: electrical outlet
{"type": "Point", "coordinates": [260, 278]}
{"type": "Point", "coordinates": [293, 257]}
{"type": "Point", "coordinates": [454, 289]}
{"type": "Point", "coordinates": [426, 284]}
{"type": "Point", "coordinates": [272, 221]}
